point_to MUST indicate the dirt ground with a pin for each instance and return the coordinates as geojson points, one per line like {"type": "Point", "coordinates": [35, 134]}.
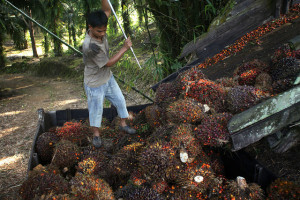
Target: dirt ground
{"type": "Point", "coordinates": [18, 119]}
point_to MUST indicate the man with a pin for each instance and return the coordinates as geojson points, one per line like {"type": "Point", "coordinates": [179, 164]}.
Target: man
{"type": "Point", "coordinates": [99, 82]}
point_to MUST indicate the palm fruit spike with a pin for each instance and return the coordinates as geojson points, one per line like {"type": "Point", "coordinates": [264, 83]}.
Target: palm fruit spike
{"type": "Point", "coordinates": [207, 92]}
{"type": "Point", "coordinates": [283, 189]}
{"type": "Point", "coordinates": [241, 98]}
{"type": "Point", "coordinates": [43, 182]}
{"type": "Point", "coordinates": [166, 92]}
{"type": "Point", "coordinates": [89, 187]}
{"type": "Point", "coordinates": [185, 111]}
{"type": "Point", "coordinates": [45, 145]}
{"type": "Point", "coordinates": [66, 154]}
{"type": "Point", "coordinates": [155, 160]}
{"type": "Point", "coordinates": [183, 139]}
{"type": "Point", "coordinates": [154, 115]}
{"type": "Point", "coordinates": [213, 130]}
{"type": "Point", "coordinates": [125, 160]}
{"type": "Point", "coordinates": [239, 189]}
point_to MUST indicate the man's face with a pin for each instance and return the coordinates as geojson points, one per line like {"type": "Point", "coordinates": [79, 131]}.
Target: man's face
{"type": "Point", "coordinates": [98, 32]}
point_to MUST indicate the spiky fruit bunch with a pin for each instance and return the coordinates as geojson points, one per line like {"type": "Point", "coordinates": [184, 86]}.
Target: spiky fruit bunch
{"type": "Point", "coordinates": [183, 139]}
{"type": "Point", "coordinates": [189, 76]}
{"type": "Point", "coordinates": [196, 176]}
{"type": "Point", "coordinates": [185, 111]}
{"type": "Point", "coordinates": [283, 189]}
{"type": "Point", "coordinates": [249, 77]}
{"type": "Point", "coordinates": [213, 130]}
{"type": "Point", "coordinates": [160, 186]}
{"type": "Point", "coordinates": [254, 64]}
{"type": "Point", "coordinates": [154, 115]}
{"type": "Point", "coordinates": [166, 92]}
{"type": "Point", "coordinates": [282, 85]}
{"type": "Point", "coordinates": [241, 98]}
{"type": "Point", "coordinates": [45, 145]}
{"type": "Point", "coordinates": [66, 154]}
{"type": "Point", "coordinates": [264, 82]}
{"type": "Point", "coordinates": [75, 132]}
{"type": "Point", "coordinates": [286, 68]}
{"type": "Point", "coordinates": [87, 187]}
{"type": "Point", "coordinates": [161, 133]}
{"type": "Point", "coordinates": [130, 192]}
{"type": "Point", "coordinates": [155, 160]}
{"type": "Point", "coordinates": [125, 160]}
{"type": "Point", "coordinates": [227, 82]}
{"type": "Point", "coordinates": [252, 191]}
{"type": "Point", "coordinates": [43, 182]}
{"type": "Point", "coordinates": [207, 92]}
{"type": "Point", "coordinates": [282, 52]}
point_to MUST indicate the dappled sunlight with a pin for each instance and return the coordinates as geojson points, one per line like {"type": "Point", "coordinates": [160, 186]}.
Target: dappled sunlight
{"type": "Point", "coordinates": [10, 160]}
{"type": "Point", "coordinates": [66, 102]}
{"type": "Point", "coordinates": [8, 131]}
{"type": "Point", "coordinates": [23, 87]}
{"type": "Point", "coordinates": [11, 113]}
{"type": "Point", "coordinates": [14, 78]}
{"type": "Point", "coordinates": [17, 97]}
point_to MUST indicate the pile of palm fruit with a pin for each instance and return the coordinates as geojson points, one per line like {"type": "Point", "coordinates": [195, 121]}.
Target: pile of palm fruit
{"type": "Point", "coordinates": [176, 151]}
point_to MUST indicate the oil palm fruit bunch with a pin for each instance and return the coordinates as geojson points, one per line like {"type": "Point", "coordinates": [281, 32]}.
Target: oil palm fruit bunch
{"type": "Point", "coordinates": [283, 189]}
{"type": "Point", "coordinates": [155, 159]}
{"type": "Point", "coordinates": [42, 183]}
{"type": "Point", "coordinates": [125, 160]}
{"type": "Point", "coordinates": [227, 82]}
{"type": "Point", "coordinates": [239, 189]}
{"type": "Point", "coordinates": [196, 176]}
{"type": "Point", "coordinates": [286, 68]}
{"type": "Point", "coordinates": [154, 115]}
{"type": "Point", "coordinates": [264, 82]}
{"type": "Point", "coordinates": [183, 139]}
{"type": "Point", "coordinates": [163, 132]}
{"type": "Point", "coordinates": [166, 92]}
{"type": "Point", "coordinates": [241, 98]}
{"type": "Point", "coordinates": [75, 132]}
{"type": "Point", "coordinates": [189, 76]}
{"type": "Point", "coordinates": [66, 154]}
{"type": "Point", "coordinates": [254, 64]}
{"type": "Point", "coordinates": [185, 110]}
{"type": "Point", "coordinates": [207, 92]}
{"type": "Point", "coordinates": [213, 130]}
{"type": "Point", "coordinates": [45, 145]}
{"type": "Point", "coordinates": [87, 187]}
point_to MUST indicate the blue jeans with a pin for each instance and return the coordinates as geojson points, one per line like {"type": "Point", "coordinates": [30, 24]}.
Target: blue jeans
{"type": "Point", "coordinates": [95, 97]}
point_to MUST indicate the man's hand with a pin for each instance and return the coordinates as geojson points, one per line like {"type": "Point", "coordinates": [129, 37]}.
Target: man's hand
{"type": "Point", "coordinates": [127, 43]}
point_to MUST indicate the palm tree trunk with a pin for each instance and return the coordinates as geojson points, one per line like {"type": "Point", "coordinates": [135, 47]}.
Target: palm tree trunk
{"type": "Point", "coordinates": [31, 31]}
{"type": "Point", "coordinates": [126, 17]}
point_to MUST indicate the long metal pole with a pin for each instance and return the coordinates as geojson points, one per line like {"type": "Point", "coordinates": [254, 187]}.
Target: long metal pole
{"type": "Point", "coordinates": [113, 10]}
{"type": "Point", "coordinates": [20, 11]}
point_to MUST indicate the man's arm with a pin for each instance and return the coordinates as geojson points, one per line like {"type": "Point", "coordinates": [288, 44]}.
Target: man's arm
{"type": "Point", "coordinates": [106, 7]}
{"type": "Point", "coordinates": [117, 56]}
